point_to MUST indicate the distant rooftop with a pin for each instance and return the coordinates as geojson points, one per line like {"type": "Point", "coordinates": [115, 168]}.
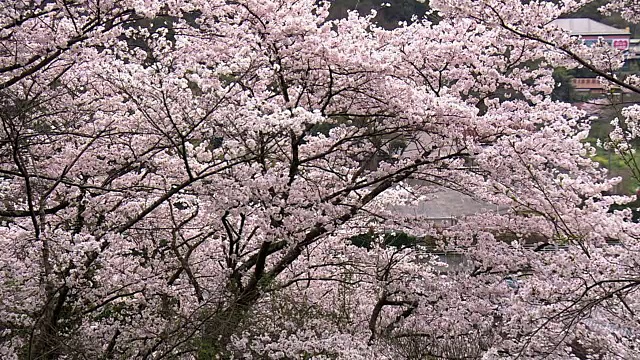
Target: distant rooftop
{"type": "Point", "coordinates": [588, 27]}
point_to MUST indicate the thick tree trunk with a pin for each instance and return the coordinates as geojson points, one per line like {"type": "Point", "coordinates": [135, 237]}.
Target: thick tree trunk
{"type": "Point", "coordinates": [45, 340]}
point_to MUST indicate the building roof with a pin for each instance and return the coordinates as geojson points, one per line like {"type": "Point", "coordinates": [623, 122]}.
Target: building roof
{"type": "Point", "coordinates": [588, 27]}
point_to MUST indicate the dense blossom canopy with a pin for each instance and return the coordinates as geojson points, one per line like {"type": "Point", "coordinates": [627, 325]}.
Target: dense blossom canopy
{"type": "Point", "coordinates": [185, 179]}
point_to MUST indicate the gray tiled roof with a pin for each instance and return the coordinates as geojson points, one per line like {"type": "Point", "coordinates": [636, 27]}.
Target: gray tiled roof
{"type": "Point", "coordinates": [588, 27]}
{"type": "Point", "coordinates": [448, 203]}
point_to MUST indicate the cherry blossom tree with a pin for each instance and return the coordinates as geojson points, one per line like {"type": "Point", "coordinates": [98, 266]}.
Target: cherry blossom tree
{"type": "Point", "coordinates": [185, 179]}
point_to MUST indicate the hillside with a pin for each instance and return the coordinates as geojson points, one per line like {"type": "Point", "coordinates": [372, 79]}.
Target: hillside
{"type": "Point", "coordinates": [403, 10]}
{"type": "Point", "coordinates": [387, 16]}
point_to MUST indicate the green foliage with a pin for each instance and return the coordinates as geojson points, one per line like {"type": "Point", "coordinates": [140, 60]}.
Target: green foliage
{"type": "Point", "coordinates": [634, 206]}
{"type": "Point", "coordinates": [387, 17]}
{"type": "Point", "coordinates": [617, 166]}
{"type": "Point", "coordinates": [208, 350]}
{"type": "Point", "coordinates": [624, 166]}
{"type": "Point", "coordinates": [398, 240]}
{"type": "Point", "coordinates": [564, 91]}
